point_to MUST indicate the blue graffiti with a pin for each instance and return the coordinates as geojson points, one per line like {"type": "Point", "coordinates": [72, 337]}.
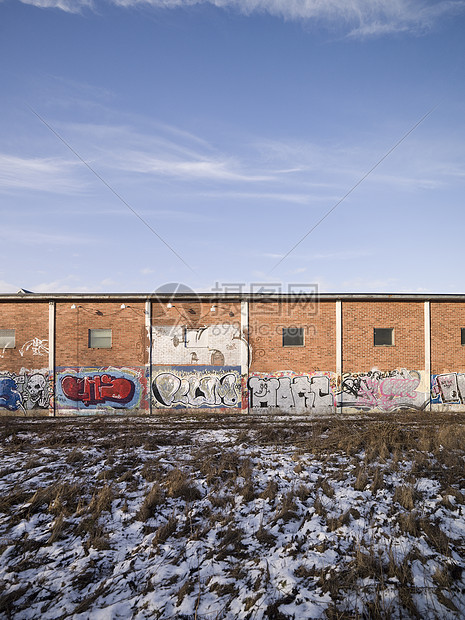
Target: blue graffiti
{"type": "Point", "coordinates": [10, 398]}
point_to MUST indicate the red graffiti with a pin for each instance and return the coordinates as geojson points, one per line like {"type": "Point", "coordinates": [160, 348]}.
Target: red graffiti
{"type": "Point", "coordinates": [98, 389]}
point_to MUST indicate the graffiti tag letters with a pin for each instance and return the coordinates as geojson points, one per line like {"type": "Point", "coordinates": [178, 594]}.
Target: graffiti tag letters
{"type": "Point", "coordinates": [203, 387]}
{"type": "Point", "coordinates": [96, 389]}
{"type": "Point", "coordinates": [382, 390]}
{"type": "Point", "coordinates": [299, 392]}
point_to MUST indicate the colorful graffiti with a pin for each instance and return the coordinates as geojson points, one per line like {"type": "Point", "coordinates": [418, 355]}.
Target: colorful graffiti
{"type": "Point", "coordinates": [197, 386]}
{"type": "Point", "coordinates": [448, 388]}
{"type": "Point", "coordinates": [101, 388]}
{"type": "Point", "coordinates": [29, 389]}
{"type": "Point", "coordinates": [289, 391]}
{"type": "Point", "coordinates": [95, 389]}
{"type": "Point", "coordinates": [387, 391]}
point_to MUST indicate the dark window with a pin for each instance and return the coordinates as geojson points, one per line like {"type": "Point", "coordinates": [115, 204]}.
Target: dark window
{"type": "Point", "coordinates": [293, 336]}
{"type": "Point", "coordinates": [7, 339]}
{"type": "Point", "coordinates": [462, 335]}
{"type": "Point", "coordinates": [383, 336]}
{"type": "Point", "coordinates": [99, 338]}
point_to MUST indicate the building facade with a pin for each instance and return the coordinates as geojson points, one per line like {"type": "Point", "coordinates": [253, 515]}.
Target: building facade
{"type": "Point", "coordinates": [73, 354]}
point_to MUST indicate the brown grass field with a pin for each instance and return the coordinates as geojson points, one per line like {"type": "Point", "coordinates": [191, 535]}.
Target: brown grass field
{"type": "Point", "coordinates": [226, 516]}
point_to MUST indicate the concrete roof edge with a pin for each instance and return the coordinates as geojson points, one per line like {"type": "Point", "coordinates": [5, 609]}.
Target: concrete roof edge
{"type": "Point", "coordinates": [216, 297]}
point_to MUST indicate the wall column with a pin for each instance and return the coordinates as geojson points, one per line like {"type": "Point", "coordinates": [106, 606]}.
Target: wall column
{"type": "Point", "coordinates": [51, 356]}
{"type": "Point", "coordinates": [428, 349]}
{"type": "Point", "coordinates": [338, 348]}
{"type": "Point", "coordinates": [148, 326]}
{"type": "Point", "coordinates": [245, 362]}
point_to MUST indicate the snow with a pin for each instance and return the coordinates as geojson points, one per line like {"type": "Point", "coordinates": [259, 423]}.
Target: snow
{"type": "Point", "coordinates": [312, 546]}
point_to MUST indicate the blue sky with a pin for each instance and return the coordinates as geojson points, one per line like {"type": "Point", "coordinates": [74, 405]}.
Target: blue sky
{"type": "Point", "coordinates": [231, 127]}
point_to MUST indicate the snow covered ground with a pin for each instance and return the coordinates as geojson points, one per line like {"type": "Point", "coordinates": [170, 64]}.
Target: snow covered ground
{"type": "Point", "coordinates": [233, 517]}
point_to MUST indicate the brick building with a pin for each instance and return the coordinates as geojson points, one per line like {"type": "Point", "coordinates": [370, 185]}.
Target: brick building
{"type": "Point", "coordinates": [68, 354]}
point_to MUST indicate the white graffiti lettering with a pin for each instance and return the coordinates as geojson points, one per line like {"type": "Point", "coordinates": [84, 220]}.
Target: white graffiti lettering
{"type": "Point", "coordinates": [197, 390]}
{"type": "Point", "coordinates": [38, 347]}
{"type": "Point", "coordinates": [298, 393]}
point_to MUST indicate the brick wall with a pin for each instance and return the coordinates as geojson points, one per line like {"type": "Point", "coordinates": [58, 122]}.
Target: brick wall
{"type": "Point", "coordinates": [447, 352]}
{"type": "Point", "coordinates": [129, 335]}
{"type": "Point", "coordinates": [195, 314]}
{"type": "Point", "coordinates": [30, 321]}
{"type": "Point", "coordinates": [358, 321]}
{"type": "Point", "coordinates": [218, 359]}
{"type": "Point", "coordinates": [266, 322]}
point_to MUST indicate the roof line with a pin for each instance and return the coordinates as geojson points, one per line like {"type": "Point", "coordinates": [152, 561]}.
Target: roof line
{"type": "Point", "coordinates": [212, 297]}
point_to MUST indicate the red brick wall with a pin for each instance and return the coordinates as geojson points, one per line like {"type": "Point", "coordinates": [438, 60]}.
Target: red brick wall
{"type": "Point", "coordinates": [358, 321]}
{"type": "Point", "coordinates": [129, 336]}
{"type": "Point", "coordinates": [447, 353]}
{"type": "Point", "coordinates": [30, 320]}
{"type": "Point", "coordinates": [195, 314]}
{"type": "Point", "coordinates": [129, 346]}
{"type": "Point", "coordinates": [265, 335]}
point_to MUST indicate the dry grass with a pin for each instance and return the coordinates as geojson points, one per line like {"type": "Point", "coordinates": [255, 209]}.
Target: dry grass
{"type": "Point", "coordinates": [165, 531]}
{"type": "Point", "coordinates": [362, 452]}
{"type": "Point", "coordinates": [407, 496]}
{"type": "Point", "coordinates": [179, 485]}
{"type": "Point", "coordinates": [154, 498]}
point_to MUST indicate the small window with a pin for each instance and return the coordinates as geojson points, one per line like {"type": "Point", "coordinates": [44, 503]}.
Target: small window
{"type": "Point", "coordinates": [384, 336]}
{"type": "Point", "coordinates": [293, 336]}
{"type": "Point", "coordinates": [99, 338]}
{"type": "Point", "coordinates": [462, 335]}
{"type": "Point", "coordinates": [7, 339]}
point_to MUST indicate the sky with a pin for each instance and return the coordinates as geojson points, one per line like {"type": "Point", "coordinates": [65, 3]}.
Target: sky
{"type": "Point", "coordinates": [145, 142]}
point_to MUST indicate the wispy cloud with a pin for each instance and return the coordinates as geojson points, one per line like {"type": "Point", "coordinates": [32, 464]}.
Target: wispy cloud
{"type": "Point", "coordinates": [30, 236]}
{"type": "Point", "coordinates": [164, 151]}
{"type": "Point", "coordinates": [201, 168]}
{"type": "Point", "coordinates": [48, 174]}
{"type": "Point", "coordinates": [343, 255]}
{"type": "Point", "coordinates": [362, 18]}
{"type": "Point", "coordinates": [74, 283]}
{"type": "Point", "coordinates": [70, 6]}
{"type": "Point", "coordinates": [7, 287]}
{"type": "Point", "coordinates": [294, 198]}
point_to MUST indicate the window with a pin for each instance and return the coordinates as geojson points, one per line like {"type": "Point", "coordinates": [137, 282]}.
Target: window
{"type": "Point", "coordinates": [383, 336]}
{"type": "Point", "coordinates": [293, 336]}
{"type": "Point", "coordinates": [7, 339]}
{"type": "Point", "coordinates": [99, 338]}
{"type": "Point", "coordinates": [462, 335]}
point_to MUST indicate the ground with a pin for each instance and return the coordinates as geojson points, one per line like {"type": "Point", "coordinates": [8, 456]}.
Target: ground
{"type": "Point", "coordinates": [233, 517]}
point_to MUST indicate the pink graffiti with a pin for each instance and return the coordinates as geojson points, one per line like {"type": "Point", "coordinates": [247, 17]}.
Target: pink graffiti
{"type": "Point", "coordinates": [372, 390]}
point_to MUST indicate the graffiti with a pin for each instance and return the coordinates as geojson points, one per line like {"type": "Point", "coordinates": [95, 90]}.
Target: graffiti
{"type": "Point", "coordinates": [214, 345]}
{"type": "Point", "coordinates": [10, 397]}
{"type": "Point", "coordinates": [26, 390]}
{"type": "Point", "coordinates": [202, 386]}
{"type": "Point", "coordinates": [100, 388]}
{"type": "Point", "coordinates": [309, 392]}
{"type": "Point", "coordinates": [37, 346]}
{"type": "Point", "coordinates": [448, 388]}
{"type": "Point", "coordinates": [95, 389]}
{"type": "Point", "coordinates": [382, 390]}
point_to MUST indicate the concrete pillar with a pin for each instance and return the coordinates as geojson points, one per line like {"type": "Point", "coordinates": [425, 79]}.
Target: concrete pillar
{"type": "Point", "coordinates": [51, 355]}
{"type": "Point", "coordinates": [338, 347]}
{"type": "Point", "coordinates": [428, 348]}
{"type": "Point", "coordinates": [148, 326]}
{"type": "Point", "coordinates": [245, 362]}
